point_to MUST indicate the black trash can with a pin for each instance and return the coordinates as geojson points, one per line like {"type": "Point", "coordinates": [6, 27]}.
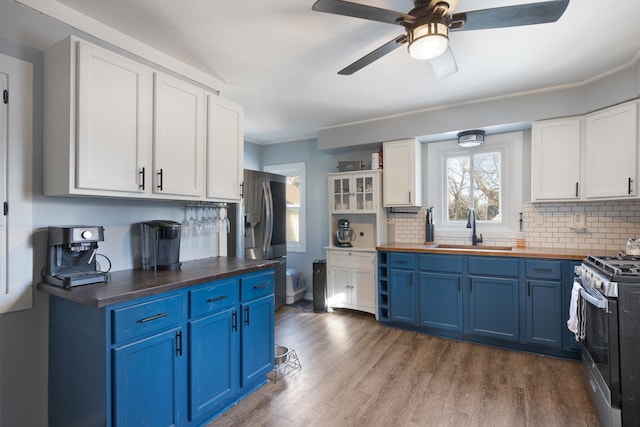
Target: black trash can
{"type": "Point", "coordinates": [320, 286]}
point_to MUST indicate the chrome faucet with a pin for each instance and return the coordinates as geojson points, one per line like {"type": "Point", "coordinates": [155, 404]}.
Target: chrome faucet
{"type": "Point", "coordinates": [471, 223]}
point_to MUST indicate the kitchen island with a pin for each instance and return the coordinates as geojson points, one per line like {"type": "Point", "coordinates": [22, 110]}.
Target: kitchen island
{"type": "Point", "coordinates": [501, 296]}
{"type": "Point", "coordinates": [160, 348]}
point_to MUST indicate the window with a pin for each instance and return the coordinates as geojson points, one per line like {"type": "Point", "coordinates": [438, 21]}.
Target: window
{"type": "Point", "coordinates": [488, 178]}
{"type": "Point", "coordinates": [296, 205]}
{"type": "Point", "coordinates": [474, 180]}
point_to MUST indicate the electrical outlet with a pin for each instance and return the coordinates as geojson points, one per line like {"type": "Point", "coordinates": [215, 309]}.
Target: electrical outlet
{"type": "Point", "coordinates": [579, 220]}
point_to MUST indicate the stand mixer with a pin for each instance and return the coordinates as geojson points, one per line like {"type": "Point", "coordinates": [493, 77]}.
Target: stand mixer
{"type": "Point", "coordinates": [344, 234]}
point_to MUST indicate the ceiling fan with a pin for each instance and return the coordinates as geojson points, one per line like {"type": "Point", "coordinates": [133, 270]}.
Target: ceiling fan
{"type": "Point", "coordinates": [427, 26]}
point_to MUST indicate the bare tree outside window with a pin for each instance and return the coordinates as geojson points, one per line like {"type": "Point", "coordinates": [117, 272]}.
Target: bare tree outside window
{"type": "Point", "coordinates": [474, 180]}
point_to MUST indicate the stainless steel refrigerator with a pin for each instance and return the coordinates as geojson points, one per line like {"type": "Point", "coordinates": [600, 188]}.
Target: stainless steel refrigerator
{"type": "Point", "coordinates": [263, 212]}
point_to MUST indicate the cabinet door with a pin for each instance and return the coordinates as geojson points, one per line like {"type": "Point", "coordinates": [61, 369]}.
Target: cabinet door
{"type": "Point", "coordinates": [544, 316]}
{"type": "Point", "coordinates": [338, 287]}
{"type": "Point", "coordinates": [401, 173]}
{"type": "Point", "coordinates": [555, 159]}
{"type": "Point", "coordinates": [611, 146]}
{"type": "Point", "coordinates": [225, 148]}
{"type": "Point", "coordinates": [146, 381]}
{"type": "Point", "coordinates": [402, 296]}
{"type": "Point", "coordinates": [364, 186]}
{"type": "Point", "coordinates": [113, 121]}
{"type": "Point", "coordinates": [340, 193]}
{"type": "Point", "coordinates": [257, 340]}
{"type": "Point", "coordinates": [441, 301]}
{"type": "Point", "coordinates": [493, 307]}
{"type": "Point", "coordinates": [363, 287]}
{"type": "Point", "coordinates": [178, 152]}
{"type": "Point", "coordinates": [214, 368]}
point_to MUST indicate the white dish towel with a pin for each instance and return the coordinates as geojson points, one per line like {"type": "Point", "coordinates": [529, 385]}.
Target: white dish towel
{"type": "Point", "coordinates": [576, 313]}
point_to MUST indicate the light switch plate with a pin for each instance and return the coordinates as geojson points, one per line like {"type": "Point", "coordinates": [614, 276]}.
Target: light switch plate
{"type": "Point", "coordinates": [579, 220]}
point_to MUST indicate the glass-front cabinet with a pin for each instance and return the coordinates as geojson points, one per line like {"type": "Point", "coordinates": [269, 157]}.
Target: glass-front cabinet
{"type": "Point", "coordinates": [354, 192]}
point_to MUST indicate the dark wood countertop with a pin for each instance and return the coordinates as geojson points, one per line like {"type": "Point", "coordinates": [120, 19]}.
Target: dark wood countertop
{"type": "Point", "coordinates": [127, 285]}
{"type": "Point", "coordinates": [571, 254]}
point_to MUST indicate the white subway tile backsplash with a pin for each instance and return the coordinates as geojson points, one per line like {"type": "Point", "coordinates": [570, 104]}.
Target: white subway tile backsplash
{"type": "Point", "coordinates": [609, 225]}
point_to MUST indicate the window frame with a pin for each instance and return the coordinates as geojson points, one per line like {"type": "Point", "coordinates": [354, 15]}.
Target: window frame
{"type": "Point", "coordinates": [511, 146]}
{"type": "Point", "coordinates": [295, 169]}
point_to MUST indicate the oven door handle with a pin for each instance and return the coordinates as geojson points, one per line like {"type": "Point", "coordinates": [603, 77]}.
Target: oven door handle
{"type": "Point", "coordinates": [593, 300]}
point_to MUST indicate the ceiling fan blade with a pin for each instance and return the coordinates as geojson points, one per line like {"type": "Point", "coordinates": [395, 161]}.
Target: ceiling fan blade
{"type": "Point", "coordinates": [444, 65]}
{"type": "Point", "coordinates": [510, 16]}
{"type": "Point", "coordinates": [356, 10]}
{"type": "Point", "coordinates": [373, 56]}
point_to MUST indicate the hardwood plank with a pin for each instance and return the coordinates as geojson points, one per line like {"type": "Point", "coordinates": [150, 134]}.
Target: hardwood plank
{"type": "Point", "coordinates": [359, 372]}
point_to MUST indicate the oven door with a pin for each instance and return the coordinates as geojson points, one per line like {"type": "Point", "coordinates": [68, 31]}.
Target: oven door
{"type": "Point", "coordinates": [600, 345]}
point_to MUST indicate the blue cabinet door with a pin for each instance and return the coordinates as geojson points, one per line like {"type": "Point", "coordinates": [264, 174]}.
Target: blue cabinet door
{"type": "Point", "coordinates": [493, 307]}
{"type": "Point", "coordinates": [145, 381]}
{"type": "Point", "coordinates": [441, 301]}
{"type": "Point", "coordinates": [402, 296]}
{"type": "Point", "coordinates": [257, 340]}
{"type": "Point", "coordinates": [214, 373]}
{"type": "Point", "coordinates": [544, 317]}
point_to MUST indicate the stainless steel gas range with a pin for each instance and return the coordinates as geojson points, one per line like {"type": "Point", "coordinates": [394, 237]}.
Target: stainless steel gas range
{"type": "Point", "coordinates": [611, 344]}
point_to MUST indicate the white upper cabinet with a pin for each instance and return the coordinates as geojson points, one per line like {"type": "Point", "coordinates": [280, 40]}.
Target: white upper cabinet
{"type": "Point", "coordinates": [402, 184]}
{"type": "Point", "coordinates": [354, 192]}
{"type": "Point", "coordinates": [113, 121]}
{"type": "Point", "coordinates": [555, 154]}
{"type": "Point", "coordinates": [178, 152]}
{"type": "Point", "coordinates": [115, 127]}
{"type": "Point", "coordinates": [592, 157]}
{"type": "Point", "coordinates": [611, 152]}
{"type": "Point", "coordinates": [225, 148]}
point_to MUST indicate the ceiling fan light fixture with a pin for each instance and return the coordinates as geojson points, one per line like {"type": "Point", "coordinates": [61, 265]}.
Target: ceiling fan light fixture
{"type": "Point", "coordinates": [428, 40]}
{"type": "Point", "coordinates": [471, 138]}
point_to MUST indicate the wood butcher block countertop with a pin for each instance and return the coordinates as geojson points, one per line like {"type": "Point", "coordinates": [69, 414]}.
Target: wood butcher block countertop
{"type": "Point", "coordinates": [433, 248]}
{"type": "Point", "coordinates": [128, 285]}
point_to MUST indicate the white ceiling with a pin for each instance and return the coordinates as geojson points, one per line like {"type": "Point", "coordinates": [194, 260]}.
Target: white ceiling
{"type": "Point", "coordinates": [280, 59]}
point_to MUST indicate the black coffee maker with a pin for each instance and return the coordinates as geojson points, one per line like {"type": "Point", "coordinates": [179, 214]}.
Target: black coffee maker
{"type": "Point", "coordinates": [160, 245]}
{"type": "Point", "coordinates": [71, 255]}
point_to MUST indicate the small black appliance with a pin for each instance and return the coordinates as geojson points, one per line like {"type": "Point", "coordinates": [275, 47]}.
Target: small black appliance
{"type": "Point", "coordinates": [160, 245]}
{"type": "Point", "coordinates": [344, 234]}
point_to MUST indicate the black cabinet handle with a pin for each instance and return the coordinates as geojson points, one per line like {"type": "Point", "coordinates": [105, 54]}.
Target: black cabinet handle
{"type": "Point", "coordinates": [246, 316]}
{"type": "Point", "coordinates": [142, 175]}
{"type": "Point", "coordinates": [542, 270]}
{"type": "Point", "coordinates": [264, 285]}
{"type": "Point", "coordinates": [528, 288]}
{"type": "Point", "coordinates": [152, 318]}
{"type": "Point", "coordinates": [576, 189]}
{"type": "Point", "coordinates": [470, 285]}
{"type": "Point", "coordinates": [179, 343]}
{"type": "Point", "coordinates": [160, 179]}
{"type": "Point", "coordinates": [234, 321]}
{"type": "Point", "coordinates": [214, 299]}
{"type": "Point", "coordinates": [629, 184]}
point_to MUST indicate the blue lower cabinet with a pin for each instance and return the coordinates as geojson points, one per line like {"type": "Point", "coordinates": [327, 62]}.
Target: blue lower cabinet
{"type": "Point", "coordinates": [257, 341]}
{"type": "Point", "coordinates": [214, 352]}
{"type": "Point", "coordinates": [494, 308]}
{"type": "Point", "coordinates": [441, 301]}
{"type": "Point", "coordinates": [174, 359]}
{"type": "Point", "coordinates": [544, 315]}
{"type": "Point", "coordinates": [146, 377]}
{"type": "Point", "coordinates": [402, 296]}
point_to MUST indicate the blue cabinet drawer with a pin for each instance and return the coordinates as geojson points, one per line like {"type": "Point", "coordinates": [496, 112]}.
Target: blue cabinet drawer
{"type": "Point", "coordinates": [256, 285]}
{"type": "Point", "coordinates": [147, 318]}
{"type": "Point", "coordinates": [543, 269]}
{"type": "Point", "coordinates": [493, 266]}
{"type": "Point", "coordinates": [401, 260]}
{"type": "Point", "coordinates": [214, 298]}
{"type": "Point", "coordinates": [441, 263]}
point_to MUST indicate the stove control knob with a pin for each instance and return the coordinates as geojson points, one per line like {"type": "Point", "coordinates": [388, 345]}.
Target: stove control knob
{"type": "Point", "coordinates": [87, 234]}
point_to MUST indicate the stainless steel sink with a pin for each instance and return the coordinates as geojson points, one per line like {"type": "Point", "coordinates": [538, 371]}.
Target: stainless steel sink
{"type": "Point", "coordinates": [476, 248]}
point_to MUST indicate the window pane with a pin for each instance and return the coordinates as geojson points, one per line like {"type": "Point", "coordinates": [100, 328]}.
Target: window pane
{"type": "Point", "coordinates": [458, 189]}
{"type": "Point", "coordinates": [486, 186]}
{"type": "Point", "coordinates": [293, 208]}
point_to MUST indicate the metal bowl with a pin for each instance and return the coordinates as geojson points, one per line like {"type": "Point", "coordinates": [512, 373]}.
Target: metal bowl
{"type": "Point", "coordinates": [281, 355]}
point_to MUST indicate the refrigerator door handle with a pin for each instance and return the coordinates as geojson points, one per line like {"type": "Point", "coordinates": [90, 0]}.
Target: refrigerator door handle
{"type": "Point", "coordinates": [268, 226]}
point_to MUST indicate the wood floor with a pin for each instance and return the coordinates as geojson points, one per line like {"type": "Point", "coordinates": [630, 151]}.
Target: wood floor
{"type": "Point", "coordinates": [357, 372]}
